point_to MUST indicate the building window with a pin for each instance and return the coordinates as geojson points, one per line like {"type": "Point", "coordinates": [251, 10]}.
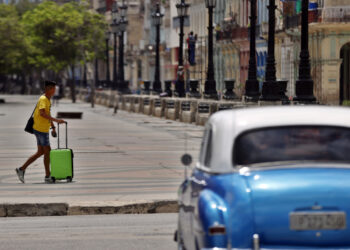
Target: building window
{"type": "Point", "coordinates": [320, 3]}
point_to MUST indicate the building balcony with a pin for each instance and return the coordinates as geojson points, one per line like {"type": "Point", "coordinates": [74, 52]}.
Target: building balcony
{"type": "Point", "coordinates": [232, 33]}
{"type": "Point", "coordinates": [295, 20]}
{"type": "Point", "coordinates": [337, 14]}
{"type": "Point", "coordinates": [292, 21]}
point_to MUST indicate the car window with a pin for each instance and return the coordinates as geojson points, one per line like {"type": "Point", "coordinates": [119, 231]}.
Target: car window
{"type": "Point", "coordinates": [203, 146]}
{"type": "Point", "coordinates": [205, 152]}
{"type": "Point", "coordinates": [300, 143]}
{"type": "Point", "coordinates": [208, 152]}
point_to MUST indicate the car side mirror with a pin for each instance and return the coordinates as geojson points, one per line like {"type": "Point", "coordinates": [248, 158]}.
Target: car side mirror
{"type": "Point", "coordinates": [186, 159]}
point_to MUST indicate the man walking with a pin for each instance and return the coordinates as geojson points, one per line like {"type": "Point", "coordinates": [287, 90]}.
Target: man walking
{"type": "Point", "coordinates": [42, 122]}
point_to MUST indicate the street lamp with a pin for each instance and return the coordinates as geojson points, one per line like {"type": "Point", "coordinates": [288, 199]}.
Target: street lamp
{"type": "Point", "coordinates": [114, 29]}
{"type": "Point", "coordinates": [182, 9]}
{"type": "Point", "coordinates": [252, 84]}
{"type": "Point", "coordinates": [210, 3]}
{"type": "Point", "coordinates": [157, 21]}
{"type": "Point", "coordinates": [210, 84]}
{"type": "Point", "coordinates": [271, 88]}
{"type": "Point", "coordinates": [108, 80]}
{"type": "Point", "coordinates": [304, 85]}
{"type": "Point", "coordinates": [122, 24]}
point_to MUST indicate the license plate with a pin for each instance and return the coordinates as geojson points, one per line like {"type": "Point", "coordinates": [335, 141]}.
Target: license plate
{"type": "Point", "coordinates": [317, 220]}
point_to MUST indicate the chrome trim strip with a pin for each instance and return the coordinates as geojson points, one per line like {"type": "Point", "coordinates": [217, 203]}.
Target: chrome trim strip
{"type": "Point", "coordinates": [274, 248]}
{"type": "Point", "coordinates": [256, 242]}
{"type": "Point", "coordinates": [214, 248]}
{"type": "Point", "coordinates": [302, 165]}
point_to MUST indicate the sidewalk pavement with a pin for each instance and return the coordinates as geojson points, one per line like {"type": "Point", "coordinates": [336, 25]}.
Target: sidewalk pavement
{"type": "Point", "coordinates": [123, 162]}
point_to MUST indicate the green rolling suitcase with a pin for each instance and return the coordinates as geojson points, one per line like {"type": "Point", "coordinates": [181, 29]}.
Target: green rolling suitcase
{"type": "Point", "coordinates": [62, 160]}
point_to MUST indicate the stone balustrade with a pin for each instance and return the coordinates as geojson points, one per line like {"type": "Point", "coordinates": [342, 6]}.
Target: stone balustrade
{"type": "Point", "coordinates": [188, 110]}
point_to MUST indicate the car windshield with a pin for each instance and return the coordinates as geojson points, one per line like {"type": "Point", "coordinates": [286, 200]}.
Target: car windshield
{"type": "Point", "coordinates": [301, 143]}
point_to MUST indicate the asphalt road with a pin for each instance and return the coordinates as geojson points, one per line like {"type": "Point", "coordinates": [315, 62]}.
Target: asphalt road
{"type": "Point", "coordinates": [119, 158]}
{"type": "Point", "coordinates": [152, 231]}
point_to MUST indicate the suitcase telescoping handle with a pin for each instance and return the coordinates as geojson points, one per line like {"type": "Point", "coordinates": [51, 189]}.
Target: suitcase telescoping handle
{"type": "Point", "coordinates": [58, 137]}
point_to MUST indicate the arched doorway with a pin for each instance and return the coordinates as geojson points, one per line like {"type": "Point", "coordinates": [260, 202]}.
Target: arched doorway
{"type": "Point", "coordinates": [344, 88]}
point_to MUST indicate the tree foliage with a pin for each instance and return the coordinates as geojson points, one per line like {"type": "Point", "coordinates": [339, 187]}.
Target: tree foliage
{"type": "Point", "coordinates": [22, 6]}
{"type": "Point", "coordinates": [49, 36]}
{"type": "Point", "coordinates": [12, 43]}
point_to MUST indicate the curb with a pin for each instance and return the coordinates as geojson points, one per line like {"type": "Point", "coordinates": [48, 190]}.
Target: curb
{"type": "Point", "coordinates": [63, 209]}
{"type": "Point", "coordinates": [36, 209]}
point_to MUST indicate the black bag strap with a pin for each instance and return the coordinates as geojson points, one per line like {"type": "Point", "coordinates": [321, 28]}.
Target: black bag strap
{"type": "Point", "coordinates": [34, 110]}
{"type": "Point", "coordinates": [36, 107]}
{"type": "Point", "coordinates": [58, 136]}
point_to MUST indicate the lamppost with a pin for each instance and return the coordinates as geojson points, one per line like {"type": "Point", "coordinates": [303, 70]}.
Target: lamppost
{"type": "Point", "coordinates": [157, 21]}
{"type": "Point", "coordinates": [271, 88]}
{"type": "Point", "coordinates": [114, 28]}
{"type": "Point", "coordinates": [252, 84]}
{"type": "Point", "coordinates": [304, 85]}
{"type": "Point", "coordinates": [122, 24]}
{"type": "Point", "coordinates": [182, 9]}
{"type": "Point", "coordinates": [210, 84]}
{"type": "Point", "coordinates": [108, 80]}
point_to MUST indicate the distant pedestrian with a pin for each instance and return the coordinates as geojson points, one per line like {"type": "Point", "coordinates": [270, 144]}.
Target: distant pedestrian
{"type": "Point", "coordinates": [192, 48]}
{"type": "Point", "coordinates": [61, 92]}
{"type": "Point", "coordinates": [42, 122]}
{"type": "Point", "coordinates": [56, 96]}
{"type": "Point", "coordinates": [188, 47]}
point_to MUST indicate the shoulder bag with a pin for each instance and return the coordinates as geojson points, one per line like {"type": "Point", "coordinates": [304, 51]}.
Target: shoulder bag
{"type": "Point", "coordinates": [30, 123]}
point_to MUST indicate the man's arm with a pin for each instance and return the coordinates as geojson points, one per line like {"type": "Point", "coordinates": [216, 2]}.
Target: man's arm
{"type": "Point", "coordinates": [52, 125]}
{"type": "Point", "coordinates": [50, 118]}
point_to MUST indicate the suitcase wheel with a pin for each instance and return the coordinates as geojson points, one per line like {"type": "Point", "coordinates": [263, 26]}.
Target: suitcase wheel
{"type": "Point", "coordinates": [69, 179]}
{"type": "Point", "coordinates": [53, 179]}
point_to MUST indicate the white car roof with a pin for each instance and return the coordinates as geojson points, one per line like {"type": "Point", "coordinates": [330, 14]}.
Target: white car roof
{"type": "Point", "coordinates": [227, 125]}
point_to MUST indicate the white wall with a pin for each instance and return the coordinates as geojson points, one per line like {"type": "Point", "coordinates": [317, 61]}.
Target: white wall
{"type": "Point", "coordinates": [198, 18]}
{"type": "Point", "coordinates": [173, 39]}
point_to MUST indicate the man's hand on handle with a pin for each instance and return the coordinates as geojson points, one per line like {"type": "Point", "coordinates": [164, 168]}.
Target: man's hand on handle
{"type": "Point", "coordinates": [61, 121]}
{"type": "Point", "coordinates": [53, 132]}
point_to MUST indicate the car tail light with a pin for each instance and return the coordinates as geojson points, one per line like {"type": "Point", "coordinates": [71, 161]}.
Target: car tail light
{"type": "Point", "coordinates": [217, 230]}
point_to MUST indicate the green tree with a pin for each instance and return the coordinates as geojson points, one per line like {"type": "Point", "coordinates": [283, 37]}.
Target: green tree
{"type": "Point", "coordinates": [94, 29]}
{"type": "Point", "coordinates": [63, 35]}
{"type": "Point", "coordinates": [22, 6]}
{"type": "Point", "coordinates": [12, 42]}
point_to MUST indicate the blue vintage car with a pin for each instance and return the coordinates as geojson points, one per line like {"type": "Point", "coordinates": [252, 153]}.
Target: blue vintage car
{"type": "Point", "coordinates": [269, 178]}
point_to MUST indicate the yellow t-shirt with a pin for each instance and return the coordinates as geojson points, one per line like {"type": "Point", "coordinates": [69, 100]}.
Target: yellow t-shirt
{"type": "Point", "coordinates": [42, 124]}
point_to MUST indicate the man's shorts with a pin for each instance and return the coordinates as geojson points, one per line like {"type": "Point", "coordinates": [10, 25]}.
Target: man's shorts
{"type": "Point", "coordinates": [42, 138]}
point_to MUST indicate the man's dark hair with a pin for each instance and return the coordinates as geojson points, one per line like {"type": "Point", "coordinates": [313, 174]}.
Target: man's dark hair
{"type": "Point", "coordinates": [50, 83]}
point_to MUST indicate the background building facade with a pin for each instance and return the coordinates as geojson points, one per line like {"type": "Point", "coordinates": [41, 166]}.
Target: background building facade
{"type": "Point", "coordinates": [329, 38]}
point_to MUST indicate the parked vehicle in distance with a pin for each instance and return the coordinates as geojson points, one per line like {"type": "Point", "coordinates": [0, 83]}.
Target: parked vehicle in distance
{"type": "Point", "coordinates": [269, 178]}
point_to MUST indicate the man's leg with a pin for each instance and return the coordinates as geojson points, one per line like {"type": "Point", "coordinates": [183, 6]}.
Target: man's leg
{"type": "Point", "coordinates": [20, 171]}
{"type": "Point", "coordinates": [31, 159]}
{"type": "Point", "coordinates": [47, 150]}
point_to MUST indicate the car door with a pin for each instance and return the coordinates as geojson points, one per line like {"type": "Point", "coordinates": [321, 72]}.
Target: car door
{"type": "Point", "coordinates": [196, 183]}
